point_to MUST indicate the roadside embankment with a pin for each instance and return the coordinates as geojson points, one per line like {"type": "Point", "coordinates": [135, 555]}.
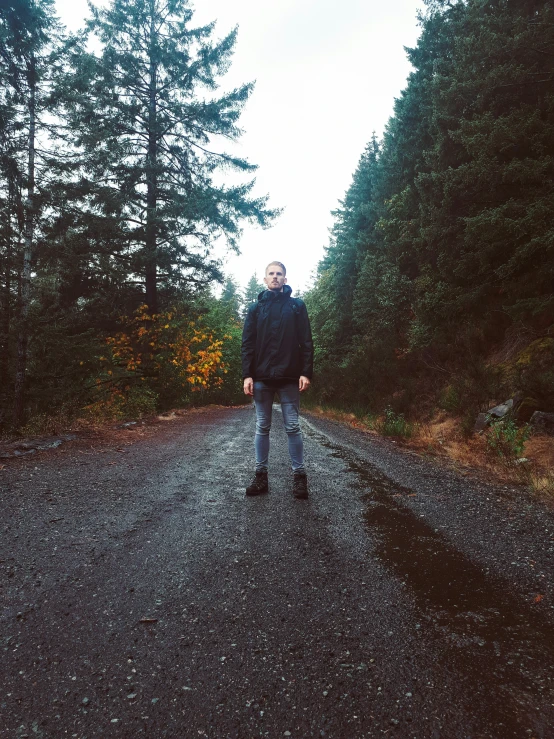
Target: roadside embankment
{"type": "Point", "coordinates": [443, 437]}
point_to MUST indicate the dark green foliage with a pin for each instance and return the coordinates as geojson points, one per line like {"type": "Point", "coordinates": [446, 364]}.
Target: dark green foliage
{"type": "Point", "coordinates": [152, 128]}
{"type": "Point", "coordinates": [394, 424]}
{"type": "Point", "coordinates": [489, 193]}
{"type": "Point", "coordinates": [445, 239]}
{"type": "Point", "coordinates": [124, 197]}
{"type": "Point", "coordinates": [251, 292]}
{"type": "Point", "coordinates": [231, 300]}
{"type": "Point", "coordinates": [507, 441]}
{"type": "Point", "coordinates": [533, 373]}
{"type": "Point", "coordinates": [31, 48]}
{"type": "Point", "coordinates": [221, 315]}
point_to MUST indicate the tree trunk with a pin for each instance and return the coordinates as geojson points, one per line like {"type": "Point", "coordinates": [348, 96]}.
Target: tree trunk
{"type": "Point", "coordinates": [152, 179]}
{"type": "Point", "coordinates": [6, 298]}
{"type": "Point", "coordinates": [29, 227]}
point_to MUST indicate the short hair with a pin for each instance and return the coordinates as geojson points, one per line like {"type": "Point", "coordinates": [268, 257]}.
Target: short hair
{"type": "Point", "coordinates": [279, 264]}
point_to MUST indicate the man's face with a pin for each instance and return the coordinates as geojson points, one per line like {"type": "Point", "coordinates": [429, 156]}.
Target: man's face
{"type": "Point", "coordinates": [274, 278]}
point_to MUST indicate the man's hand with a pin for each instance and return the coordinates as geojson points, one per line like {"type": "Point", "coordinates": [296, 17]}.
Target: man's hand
{"type": "Point", "coordinates": [248, 386]}
{"type": "Point", "coordinates": [303, 383]}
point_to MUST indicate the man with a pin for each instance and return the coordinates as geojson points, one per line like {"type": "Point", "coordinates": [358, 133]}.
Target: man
{"type": "Point", "coordinates": [277, 357]}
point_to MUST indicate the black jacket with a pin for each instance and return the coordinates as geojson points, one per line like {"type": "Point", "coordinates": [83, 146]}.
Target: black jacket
{"type": "Point", "coordinates": [276, 339]}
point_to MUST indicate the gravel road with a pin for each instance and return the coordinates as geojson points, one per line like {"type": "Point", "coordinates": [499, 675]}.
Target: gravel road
{"type": "Point", "coordinates": [144, 595]}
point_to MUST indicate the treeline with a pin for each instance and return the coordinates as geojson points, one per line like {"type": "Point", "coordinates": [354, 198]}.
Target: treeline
{"type": "Point", "coordinates": [112, 149]}
{"type": "Point", "coordinates": [438, 283]}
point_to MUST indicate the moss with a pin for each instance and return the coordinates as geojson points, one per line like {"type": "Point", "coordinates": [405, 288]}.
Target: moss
{"type": "Point", "coordinates": [537, 351]}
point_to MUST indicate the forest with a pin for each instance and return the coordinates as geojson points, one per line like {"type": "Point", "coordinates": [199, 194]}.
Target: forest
{"type": "Point", "coordinates": [436, 290]}
{"type": "Point", "coordinates": [113, 195]}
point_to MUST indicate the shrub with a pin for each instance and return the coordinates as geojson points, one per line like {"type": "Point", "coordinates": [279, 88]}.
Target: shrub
{"type": "Point", "coordinates": [156, 361]}
{"type": "Point", "coordinates": [468, 423]}
{"type": "Point", "coordinates": [124, 404]}
{"type": "Point", "coordinates": [43, 424]}
{"type": "Point", "coordinates": [451, 399]}
{"type": "Point", "coordinates": [394, 424]}
{"type": "Point", "coordinates": [507, 441]}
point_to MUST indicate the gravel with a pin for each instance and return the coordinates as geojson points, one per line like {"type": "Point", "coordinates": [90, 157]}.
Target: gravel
{"type": "Point", "coordinates": [144, 595]}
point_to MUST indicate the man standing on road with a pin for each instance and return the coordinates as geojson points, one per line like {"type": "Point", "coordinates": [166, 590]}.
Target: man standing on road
{"type": "Point", "coordinates": [277, 357]}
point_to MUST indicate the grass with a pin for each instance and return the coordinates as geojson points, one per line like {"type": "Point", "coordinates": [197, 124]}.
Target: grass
{"type": "Point", "coordinates": [394, 424]}
{"type": "Point", "coordinates": [357, 415]}
{"type": "Point", "coordinates": [389, 424]}
{"type": "Point", "coordinates": [542, 483]}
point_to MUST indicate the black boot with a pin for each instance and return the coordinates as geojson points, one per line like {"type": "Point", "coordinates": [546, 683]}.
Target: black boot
{"type": "Point", "coordinates": [300, 485]}
{"type": "Point", "coordinates": [259, 484]}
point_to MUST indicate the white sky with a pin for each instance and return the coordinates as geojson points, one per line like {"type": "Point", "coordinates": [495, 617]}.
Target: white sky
{"type": "Point", "coordinates": [327, 73]}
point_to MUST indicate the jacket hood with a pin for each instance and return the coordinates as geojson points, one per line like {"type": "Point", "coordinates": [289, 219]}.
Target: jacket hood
{"type": "Point", "coordinates": [266, 294]}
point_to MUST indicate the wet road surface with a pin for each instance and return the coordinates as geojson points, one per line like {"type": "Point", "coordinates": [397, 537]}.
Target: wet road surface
{"type": "Point", "coordinates": [144, 595]}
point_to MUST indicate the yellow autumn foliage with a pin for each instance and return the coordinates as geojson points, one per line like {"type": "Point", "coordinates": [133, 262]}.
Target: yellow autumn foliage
{"type": "Point", "coordinates": [153, 344]}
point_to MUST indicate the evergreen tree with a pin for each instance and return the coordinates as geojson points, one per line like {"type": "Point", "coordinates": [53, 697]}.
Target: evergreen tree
{"type": "Point", "coordinates": [28, 35]}
{"type": "Point", "coordinates": [11, 225]}
{"type": "Point", "coordinates": [450, 240]}
{"type": "Point", "coordinates": [153, 142]}
{"type": "Point", "coordinates": [395, 268]}
{"type": "Point", "coordinates": [488, 201]}
{"type": "Point", "coordinates": [354, 220]}
{"type": "Point", "coordinates": [230, 299]}
{"type": "Point", "coordinates": [251, 292]}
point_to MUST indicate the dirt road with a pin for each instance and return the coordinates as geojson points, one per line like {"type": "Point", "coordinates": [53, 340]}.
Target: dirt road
{"type": "Point", "coordinates": [144, 595]}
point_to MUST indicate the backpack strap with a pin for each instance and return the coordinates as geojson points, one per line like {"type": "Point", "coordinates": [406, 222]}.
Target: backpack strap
{"type": "Point", "coordinates": [295, 304]}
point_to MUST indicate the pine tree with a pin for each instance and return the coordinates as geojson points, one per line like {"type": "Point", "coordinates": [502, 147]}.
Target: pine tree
{"type": "Point", "coordinates": [456, 241]}
{"type": "Point", "coordinates": [230, 300]}
{"type": "Point", "coordinates": [488, 203]}
{"type": "Point", "coordinates": [27, 35]}
{"type": "Point", "coordinates": [251, 292]}
{"type": "Point", "coordinates": [354, 220]}
{"type": "Point", "coordinates": [153, 141]}
{"type": "Point", "coordinates": [11, 225]}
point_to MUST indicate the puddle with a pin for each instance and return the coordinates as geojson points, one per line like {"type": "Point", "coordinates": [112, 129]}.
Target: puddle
{"type": "Point", "coordinates": [501, 649]}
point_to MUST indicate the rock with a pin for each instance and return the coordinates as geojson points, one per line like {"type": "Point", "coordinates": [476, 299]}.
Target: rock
{"type": "Point", "coordinates": [542, 421]}
{"type": "Point", "coordinates": [21, 448]}
{"type": "Point", "coordinates": [17, 453]}
{"type": "Point", "coordinates": [170, 416]}
{"type": "Point", "coordinates": [499, 411]}
{"type": "Point", "coordinates": [481, 422]}
{"type": "Point", "coordinates": [525, 410]}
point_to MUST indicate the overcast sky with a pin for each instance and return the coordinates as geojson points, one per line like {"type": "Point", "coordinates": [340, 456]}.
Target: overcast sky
{"type": "Point", "coordinates": [327, 73]}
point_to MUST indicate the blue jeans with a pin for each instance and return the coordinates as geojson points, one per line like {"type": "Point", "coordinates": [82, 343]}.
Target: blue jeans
{"type": "Point", "coordinates": [289, 395]}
